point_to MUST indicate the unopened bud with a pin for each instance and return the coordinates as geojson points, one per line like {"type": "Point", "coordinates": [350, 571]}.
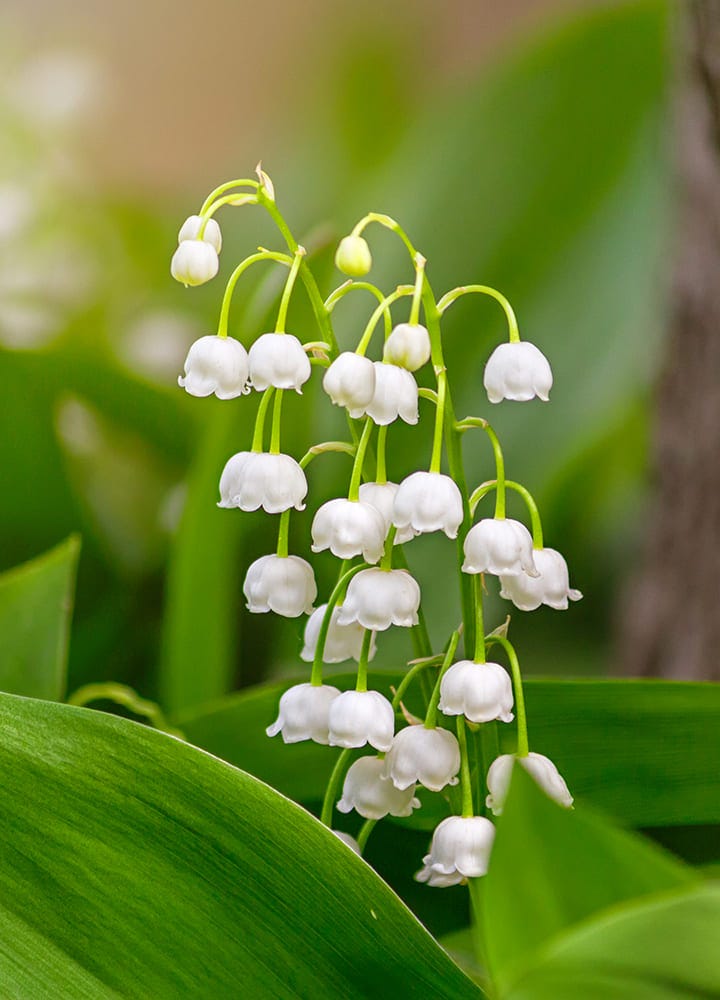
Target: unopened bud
{"type": "Point", "coordinates": [353, 256]}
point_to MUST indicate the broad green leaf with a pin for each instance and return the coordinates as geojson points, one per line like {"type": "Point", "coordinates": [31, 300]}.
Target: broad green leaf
{"type": "Point", "coordinates": [36, 602]}
{"type": "Point", "coordinates": [552, 868]}
{"type": "Point", "coordinates": [662, 948]}
{"type": "Point", "coordinates": [647, 751]}
{"type": "Point", "coordinates": [133, 865]}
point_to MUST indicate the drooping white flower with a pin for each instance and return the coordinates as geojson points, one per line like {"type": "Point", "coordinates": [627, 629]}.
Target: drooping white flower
{"type": "Point", "coordinates": [278, 359]}
{"type": "Point", "coordinates": [378, 598]}
{"type": "Point", "coordinates": [349, 528]}
{"type": "Point", "coordinates": [538, 767]}
{"type": "Point", "coordinates": [194, 262]}
{"type": "Point", "coordinates": [460, 849]}
{"type": "Point", "coordinates": [283, 584]}
{"type": "Point", "coordinates": [348, 840]}
{"type": "Point", "coordinates": [551, 587]}
{"type": "Point", "coordinates": [396, 395]}
{"type": "Point", "coordinates": [428, 501]}
{"type": "Point", "coordinates": [353, 256]}
{"type": "Point", "coordinates": [251, 480]}
{"type": "Point", "coordinates": [428, 756]}
{"type": "Point", "coordinates": [382, 497]}
{"type": "Point", "coordinates": [343, 642]}
{"type": "Point", "coordinates": [191, 228]}
{"type": "Point", "coordinates": [303, 713]}
{"type": "Point", "coordinates": [408, 346]}
{"type": "Point", "coordinates": [371, 795]}
{"type": "Point", "coordinates": [479, 691]}
{"type": "Point", "coordinates": [360, 717]}
{"type": "Point", "coordinates": [216, 365]}
{"type": "Point", "coordinates": [350, 382]}
{"type": "Point", "coordinates": [517, 371]}
{"type": "Point", "coordinates": [499, 545]}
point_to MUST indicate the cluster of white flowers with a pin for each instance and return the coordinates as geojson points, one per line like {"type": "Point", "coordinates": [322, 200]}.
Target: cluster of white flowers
{"type": "Point", "coordinates": [363, 529]}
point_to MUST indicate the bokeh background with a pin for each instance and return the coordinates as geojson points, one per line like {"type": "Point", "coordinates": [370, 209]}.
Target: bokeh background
{"type": "Point", "coordinates": [527, 145]}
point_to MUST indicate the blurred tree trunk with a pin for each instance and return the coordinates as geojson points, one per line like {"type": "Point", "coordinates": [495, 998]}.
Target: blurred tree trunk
{"type": "Point", "coordinates": [670, 623]}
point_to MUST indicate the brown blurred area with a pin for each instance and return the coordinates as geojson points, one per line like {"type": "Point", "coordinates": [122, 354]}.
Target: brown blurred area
{"type": "Point", "coordinates": [192, 90]}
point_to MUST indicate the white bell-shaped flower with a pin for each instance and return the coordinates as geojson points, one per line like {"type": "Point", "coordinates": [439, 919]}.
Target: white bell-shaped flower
{"type": "Point", "coordinates": [343, 642]}
{"type": "Point", "coordinates": [303, 713]}
{"type": "Point", "coordinates": [517, 371]}
{"type": "Point", "coordinates": [428, 756]}
{"type": "Point", "coordinates": [540, 768]}
{"type": "Point", "coordinates": [396, 395]}
{"type": "Point", "coordinates": [194, 262]}
{"type": "Point", "coordinates": [551, 587]}
{"type": "Point", "coordinates": [428, 501]}
{"type": "Point", "coordinates": [278, 359]}
{"type": "Point", "coordinates": [283, 584]}
{"type": "Point", "coordinates": [460, 849]}
{"type": "Point", "coordinates": [216, 365]}
{"type": "Point", "coordinates": [408, 346]}
{"type": "Point", "coordinates": [190, 230]}
{"type": "Point", "coordinates": [350, 382]}
{"type": "Point", "coordinates": [349, 528]}
{"type": "Point", "coordinates": [378, 598]}
{"type": "Point", "coordinates": [371, 795]}
{"type": "Point", "coordinates": [479, 691]}
{"type": "Point", "coordinates": [353, 256]}
{"type": "Point", "coordinates": [360, 717]}
{"type": "Point", "coordinates": [501, 546]}
{"type": "Point", "coordinates": [348, 840]}
{"type": "Point", "coordinates": [382, 497]}
{"type": "Point", "coordinates": [251, 480]}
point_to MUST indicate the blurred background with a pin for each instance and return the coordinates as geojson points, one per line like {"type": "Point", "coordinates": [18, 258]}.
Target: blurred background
{"type": "Point", "coordinates": [527, 145]}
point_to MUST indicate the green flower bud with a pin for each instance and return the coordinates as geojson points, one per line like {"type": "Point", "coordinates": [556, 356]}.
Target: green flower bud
{"type": "Point", "coordinates": [353, 256]}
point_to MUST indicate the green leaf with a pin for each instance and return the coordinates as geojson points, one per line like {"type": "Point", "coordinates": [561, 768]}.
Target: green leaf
{"type": "Point", "coordinates": [36, 602]}
{"type": "Point", "coordinates": [552, 868]}
{"type": "Point", "coordinates": [134, 865]}
{"type": "Point", "coordinates": [663, 948]}
{"type": "Point", "coordinates": [646, 751]}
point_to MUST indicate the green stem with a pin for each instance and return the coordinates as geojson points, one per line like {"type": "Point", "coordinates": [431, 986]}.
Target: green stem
{"type": "Point", "coordinates": [465, 785]}
{"type": "Point", "coordinates": [536, 523]}
{"type": "Point", "coordinates": [283, 532]}
{"type": "Point", "coordinates": [450, 297]}
{"type": "Point", "coordinates": [389, 223]}
{"type": "Point", "coordinates": [332, 787]}
{"type": "Point", "coordinates": [322, 316]}
{"type": "Point", "coordinates": [324, 448]}
{"type": "Point", "coordinates": [523, 746]}
{"type": "Point", "coordinates": [387, 556]}
{"type": "Point", "coordinates": [364, 342]}
{"type": "Point", "coordinates": [241, 182]}
{"type": "Point", "coordinates": [420, 263]}
{"type": "Point", "coordinates": [410, 676]}
{"type": "Point", "coordinates": [123, 695]}
{"type": "Point", "coordinates": [276, 421]}
{"type": "Point", "coordinates": [455, 464]}
{"type": "Point", "coordinates": [365, 830]}
{"type": "Point", "coordinates": [287, 291]}
{"type": "Point", "coordinates": [237, 199]}
{"type": "Point", "coordinates": [432, 710]}
{"type": "Point", "coordinates": [380, 469]}
{"type": "Point", "coordinates": [436, 459]}
{"type": "Point", "coordinates": [499, 472]}
{"type": "Point", "coordinates": [281, 258]}
{"type": "Point", "coordinates": [479, 622]}
{"type": "Point", "coordinates": [258, 433]}
{"type": "Point", "coordinates": [337, 594]}
{"type": "Point", "coordinates": [361, 684]}
{"type": "Point", "coordinates": [350, 286]}
{"type": "Point", "coordinates": [354, 488]}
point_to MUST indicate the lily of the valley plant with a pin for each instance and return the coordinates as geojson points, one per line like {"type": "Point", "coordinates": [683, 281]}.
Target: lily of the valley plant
{"type": "Point", "coordinates": [367, 528]}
